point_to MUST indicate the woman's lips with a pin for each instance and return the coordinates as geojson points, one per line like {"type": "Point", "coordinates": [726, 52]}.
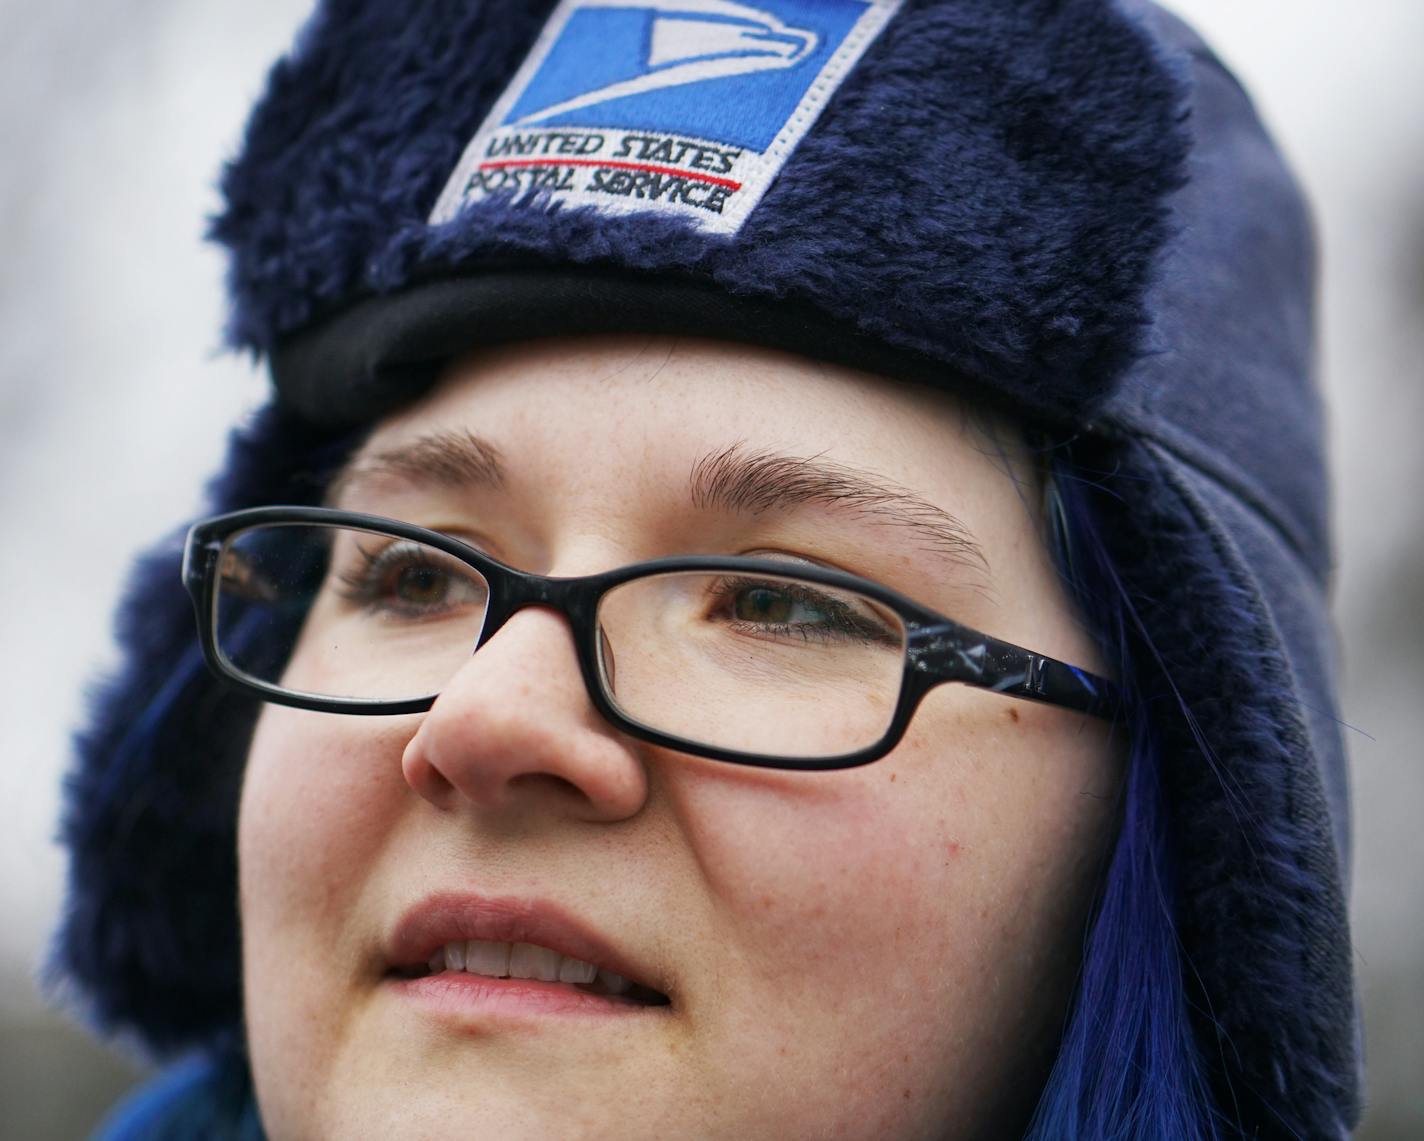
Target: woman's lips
{"type": "Point", "coordinates": [416, 960]}
{"type": "Point", "coordinates": [459, 994]}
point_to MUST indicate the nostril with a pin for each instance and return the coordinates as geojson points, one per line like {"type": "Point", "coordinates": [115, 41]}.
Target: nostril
{"type": "Point", "coordinates": [550, 781]}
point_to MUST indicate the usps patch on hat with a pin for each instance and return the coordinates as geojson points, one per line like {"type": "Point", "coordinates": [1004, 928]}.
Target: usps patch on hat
{"type": "Point", "coordinates": [673, 107]}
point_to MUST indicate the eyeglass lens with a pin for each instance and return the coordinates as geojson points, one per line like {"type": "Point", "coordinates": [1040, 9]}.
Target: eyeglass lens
{"type": "Point", "coordinates": [770, 664]}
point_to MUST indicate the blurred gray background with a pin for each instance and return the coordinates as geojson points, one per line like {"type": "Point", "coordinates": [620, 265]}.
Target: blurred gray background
{"type": "Point", "coordinates": [114, 118]}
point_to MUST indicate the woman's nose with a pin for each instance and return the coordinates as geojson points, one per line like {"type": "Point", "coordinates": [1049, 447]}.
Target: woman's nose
{"type": "Point", "coordinates": [514, 729]}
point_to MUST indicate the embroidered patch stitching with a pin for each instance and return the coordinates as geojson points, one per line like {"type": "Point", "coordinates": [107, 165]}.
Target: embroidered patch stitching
{"type": "Point", "coordinates": [642, 165]}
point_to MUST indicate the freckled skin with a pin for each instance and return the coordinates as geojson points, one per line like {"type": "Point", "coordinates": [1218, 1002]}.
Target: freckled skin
{"type": "Point", "coordinates": [877, 953]}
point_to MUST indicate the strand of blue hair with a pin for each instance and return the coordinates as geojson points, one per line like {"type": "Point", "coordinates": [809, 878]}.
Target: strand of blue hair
{"type": "Point", "coordinates": [1128, 1066]}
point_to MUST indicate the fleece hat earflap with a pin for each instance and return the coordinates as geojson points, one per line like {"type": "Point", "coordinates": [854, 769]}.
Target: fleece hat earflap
{"type": "Point", "coordinates": [1064, 207]}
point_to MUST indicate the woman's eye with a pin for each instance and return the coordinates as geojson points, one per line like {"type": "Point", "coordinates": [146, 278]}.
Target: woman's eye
{"type": "Point", "coordinates": [406, 580]}
{"type": "Point", "coordinates": [422, 586]}
{"type": "Point", "coordinates": [768, 604]}
{"type": "Point", "coordinates": [799, 610]}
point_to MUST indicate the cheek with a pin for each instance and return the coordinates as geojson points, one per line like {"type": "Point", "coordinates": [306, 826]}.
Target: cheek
{"type": "Point", "coordinates": [315, 796]}
{"type": "Point", "coordinates": [316, 803]}
{"type": "Point", "coordinates": [955, 825]}
{"type": "Point", "coordinates": [937, 897]}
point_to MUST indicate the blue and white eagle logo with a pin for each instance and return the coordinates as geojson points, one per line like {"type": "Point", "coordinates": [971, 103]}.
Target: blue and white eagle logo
{"type": "Point", "coordinates": [693, 41]}
{"type": "Point", "coordinates": [683, 107]}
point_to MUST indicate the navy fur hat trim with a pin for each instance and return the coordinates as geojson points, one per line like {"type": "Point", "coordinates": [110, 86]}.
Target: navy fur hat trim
{"type": "Point", "coordinates": [150, 929]}
{"type": "Point", "coordinates": [1261, 911]}
{"type": "Point", "coordinates": [1007, 164]}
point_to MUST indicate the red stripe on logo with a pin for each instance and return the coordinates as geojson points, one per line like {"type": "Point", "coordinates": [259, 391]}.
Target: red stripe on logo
{"type": "Point", "coordinates": [696, 176]}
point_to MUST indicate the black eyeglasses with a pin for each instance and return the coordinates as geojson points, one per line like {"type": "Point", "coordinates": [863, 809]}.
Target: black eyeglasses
{"type": "Point", "coordinates": [750, 660]}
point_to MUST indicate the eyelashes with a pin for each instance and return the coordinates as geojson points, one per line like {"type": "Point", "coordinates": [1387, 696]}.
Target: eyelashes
{"type": "Point", "coordinates": [410, 580]}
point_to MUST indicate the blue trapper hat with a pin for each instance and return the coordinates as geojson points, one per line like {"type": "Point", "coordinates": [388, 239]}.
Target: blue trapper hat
{"type": "Point", "coordinates": [1064, 207]}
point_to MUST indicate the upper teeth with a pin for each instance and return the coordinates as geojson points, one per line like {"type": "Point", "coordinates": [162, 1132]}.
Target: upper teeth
{"type": "Point", "coordinates": [521, 961]}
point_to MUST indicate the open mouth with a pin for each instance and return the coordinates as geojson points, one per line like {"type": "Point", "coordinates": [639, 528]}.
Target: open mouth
{"type": "Point", "coordinates": [496, 960]}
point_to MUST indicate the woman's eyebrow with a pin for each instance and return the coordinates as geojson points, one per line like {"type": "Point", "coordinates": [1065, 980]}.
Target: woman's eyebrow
{"type": "Point", "coordinates": [749, 482]}
{"type": "Point", "coordinates": [445, 459]}
{"type": "Point", "coordinates": [735, 480]}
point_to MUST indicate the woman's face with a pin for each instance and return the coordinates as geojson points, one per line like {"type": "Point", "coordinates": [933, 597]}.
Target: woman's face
{"type": "Point", "coordinates": [880, 952]}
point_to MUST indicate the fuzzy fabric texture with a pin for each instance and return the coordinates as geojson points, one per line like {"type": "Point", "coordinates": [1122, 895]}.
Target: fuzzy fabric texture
{"type": "Point", "coordinates": [998, 190]}
{"type": "Point", "coordinates": [1262, 907]}
{"type": "Point", "coordinates": [150, 932]}
{"type": "Point", "coordinates": [1006, 162]}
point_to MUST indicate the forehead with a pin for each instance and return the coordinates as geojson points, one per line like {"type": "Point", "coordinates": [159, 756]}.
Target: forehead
{"type": "Point", "coordinates": [638, 404]}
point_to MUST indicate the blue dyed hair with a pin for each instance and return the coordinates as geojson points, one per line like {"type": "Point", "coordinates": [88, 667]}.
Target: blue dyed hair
{"type": "Point", "coordinates": [1128, 1067]}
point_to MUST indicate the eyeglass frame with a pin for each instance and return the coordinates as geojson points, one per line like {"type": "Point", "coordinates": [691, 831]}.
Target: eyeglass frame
{"type": "Point", "coordinates": [937, 649]}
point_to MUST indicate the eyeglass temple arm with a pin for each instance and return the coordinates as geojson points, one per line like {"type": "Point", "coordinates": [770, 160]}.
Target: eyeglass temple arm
{"type": "Point", "coordinates": [950, 652]}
